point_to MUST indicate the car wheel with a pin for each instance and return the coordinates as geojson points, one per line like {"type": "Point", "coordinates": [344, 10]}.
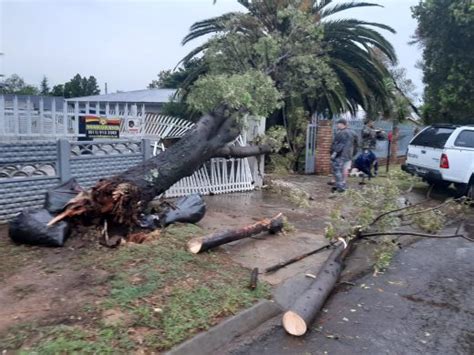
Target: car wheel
{"type": "Point", "coordinates": [470, 191]}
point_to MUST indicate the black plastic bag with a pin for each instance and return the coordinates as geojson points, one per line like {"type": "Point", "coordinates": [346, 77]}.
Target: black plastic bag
{"type": "Point", "coordinates": [30, 227]}
{"type": "Point", "coordinates": [189, 209]}
{"type": "Point", "coordinates": [150, 221]}
{"type": "Point", "coordinates": [58, 197]}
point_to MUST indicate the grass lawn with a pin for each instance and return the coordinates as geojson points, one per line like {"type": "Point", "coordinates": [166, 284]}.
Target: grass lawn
{"type": "Point", "coordinates": [150, 296]}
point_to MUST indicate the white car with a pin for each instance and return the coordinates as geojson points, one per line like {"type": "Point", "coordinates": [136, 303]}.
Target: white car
{"type": "Point", "coordinates": [443, 155]}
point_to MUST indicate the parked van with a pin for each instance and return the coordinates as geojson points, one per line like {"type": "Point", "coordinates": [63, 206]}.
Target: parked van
{"type": "Point", "coordinates": [443, 154]}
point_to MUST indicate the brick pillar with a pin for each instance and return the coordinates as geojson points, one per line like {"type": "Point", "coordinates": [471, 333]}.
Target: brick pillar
{"type": "Point", "coordinates": [323, 147]}
{"type": "Point", "coordinates": [394, 145]}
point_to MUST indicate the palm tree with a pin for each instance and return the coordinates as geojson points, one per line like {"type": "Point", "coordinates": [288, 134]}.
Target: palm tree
{"type": "Point", "coordinates": [348, 44]}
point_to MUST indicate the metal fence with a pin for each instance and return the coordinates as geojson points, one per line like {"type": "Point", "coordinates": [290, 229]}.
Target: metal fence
{"type": "Point", "coordinates": [406, 133]}
{"type": "Point", "coordinates": [28, 170]}
{"type": "Point", "coordinates": [36, 117]}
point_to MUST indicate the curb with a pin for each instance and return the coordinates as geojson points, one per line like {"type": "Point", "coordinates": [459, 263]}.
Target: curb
{"type": "Point", "coordinates": [223, 333]}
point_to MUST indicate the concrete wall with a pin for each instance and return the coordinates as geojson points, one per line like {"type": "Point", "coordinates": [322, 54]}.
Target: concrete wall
{"type": "Point", "coordinates": [28, 170]}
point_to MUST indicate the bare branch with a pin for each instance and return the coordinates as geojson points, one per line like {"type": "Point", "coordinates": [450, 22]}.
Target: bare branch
{"type": "Point", "coordinates": [422, 235]}
{"type": "Point", "coordinates": [380, 216]}
{"type": "Point", "coordinates": [412, 213]}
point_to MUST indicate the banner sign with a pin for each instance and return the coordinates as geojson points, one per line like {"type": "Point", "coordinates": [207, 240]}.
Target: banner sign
{"type": "Point", "coordinates": [101, 127]}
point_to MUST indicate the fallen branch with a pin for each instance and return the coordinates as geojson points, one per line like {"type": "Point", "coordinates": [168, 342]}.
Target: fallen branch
{"type": "Point", "coordinates": [422, 235]}
{"type": "Point", "coordinates": [380, 216]}
{"type": "Point", "coordinates": [297, 258]}
{"type": "Point", "coordinates": [273, 225]}
{"type": "Point", "coordinates": [253, 279]}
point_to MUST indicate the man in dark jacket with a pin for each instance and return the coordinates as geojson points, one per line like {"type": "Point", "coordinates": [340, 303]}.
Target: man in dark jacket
{"type": "Point", "coordinates": [370, 136]}
{"type": "Point", "coordinates": [342, 151]}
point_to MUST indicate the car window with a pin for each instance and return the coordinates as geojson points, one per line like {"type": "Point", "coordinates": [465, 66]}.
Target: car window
{"type": "Point", "coordinates": [465, 139]}
{"type": "Point", "coordinates": [434, 137]}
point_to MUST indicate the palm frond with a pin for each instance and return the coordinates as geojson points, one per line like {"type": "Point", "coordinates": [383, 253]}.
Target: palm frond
{"type": "Point", "coordinates": [212, 25]}
{"type": "Point", "coordinates": [325, 12]}
{"type": "Point", "coordinates": [193, 53]}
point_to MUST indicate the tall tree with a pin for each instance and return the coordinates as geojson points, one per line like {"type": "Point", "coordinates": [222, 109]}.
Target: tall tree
{"type": "Point", "coordinates": [57, 90]}
{"type": "Point", "coordinates": [446, 33]}
{"type": "Point", "coordinates": [81, 86]}
{"type": "Point", "coordinates": [174, 79]}
{"type": "Point", "coordinates": [400, 102]}
{"type": "Point", "coordinates": [44, 87]}
{"type": "Point", "coordinates": [319, 64]}
{"type": "Point", "coordinates": [280, 33]}
{"type": "Point", "coordinates": [15, 84]}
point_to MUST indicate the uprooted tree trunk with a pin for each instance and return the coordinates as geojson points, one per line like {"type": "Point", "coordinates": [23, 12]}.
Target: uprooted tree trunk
{"type": "Point", "coordinates": [121, 199]}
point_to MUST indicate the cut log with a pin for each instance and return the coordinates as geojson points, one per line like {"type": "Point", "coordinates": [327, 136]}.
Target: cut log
{"type": "Point", "coordinates": [298, 318]}
{"type": "Point", "coordinates": [253, 279]}
{"type": "Point", "coordinates": [273, 225]}
{"type": "Point", "coordinates": [296, 258]}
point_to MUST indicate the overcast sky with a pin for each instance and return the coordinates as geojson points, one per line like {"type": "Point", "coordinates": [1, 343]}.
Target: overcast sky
{"type": "Point", "coordinates": [127, 42]}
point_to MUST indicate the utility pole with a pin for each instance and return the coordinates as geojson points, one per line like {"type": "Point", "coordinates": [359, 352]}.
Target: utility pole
{"type": "Point", "coordinates": [105, 89]}
{"type": "Point", "coordinates": [1, 75]}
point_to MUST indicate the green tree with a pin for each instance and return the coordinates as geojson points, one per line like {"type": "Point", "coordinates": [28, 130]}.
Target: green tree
{"type": "Point", "coordinates": [399, 104]}
{"type": "Point", "coordinates": [318, 63]}
{"type": "Point", "coordinates": [57, 90]}
{"type": "Point", "coordinates": [301, 46]}
{"type": "Point", "coordinates": [44, 87]}
{"type": "Point", "coordinates": [174, 79]}
{"type": "Point", "coordinates": [446, 33]}
{"type": "Point", "coordinates": [14, 84]}
{"type": "Point", "coordinates": [81, 86]}
{"type": "Point", "coordinates": [179, 79]}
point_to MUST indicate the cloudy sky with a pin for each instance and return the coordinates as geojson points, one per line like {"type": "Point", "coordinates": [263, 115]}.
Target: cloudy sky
{"type": "Point", "coordinates": [127, 42]}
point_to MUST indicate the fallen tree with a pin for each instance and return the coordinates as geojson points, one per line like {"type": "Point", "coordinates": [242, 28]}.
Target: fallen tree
{"type": "Point", "coordinates": [122, 198]}
{"type": "Point", "coordinates": [228, 99]}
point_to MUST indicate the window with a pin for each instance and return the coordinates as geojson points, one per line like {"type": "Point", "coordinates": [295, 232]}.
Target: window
{"type": "Point", "coordinates": [434, 137]}
{"type": "Point", "coordinates": [465, 139]}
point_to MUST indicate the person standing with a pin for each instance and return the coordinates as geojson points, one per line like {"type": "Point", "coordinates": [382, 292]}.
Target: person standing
{"type": "Point", "coordinates": [370, 135]}
{"type": "Point", "coordinates": [341, 154]}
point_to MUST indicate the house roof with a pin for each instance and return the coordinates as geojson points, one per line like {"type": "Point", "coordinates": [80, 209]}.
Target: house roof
{"type": "Point", "coordinates": [137, 96]}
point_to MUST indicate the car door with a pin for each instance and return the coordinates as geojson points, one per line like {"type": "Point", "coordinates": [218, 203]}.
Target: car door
{"type": "Point", "coordinates": [460, 153]}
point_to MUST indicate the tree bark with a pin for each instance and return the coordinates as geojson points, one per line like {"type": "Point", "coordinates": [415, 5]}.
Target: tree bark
{"type": "Point", "coordinates": [273, 225]}
{"type": "Point", "coordinates": [300, 316]}
{"type": "Point", "coordinates": [121, 199]}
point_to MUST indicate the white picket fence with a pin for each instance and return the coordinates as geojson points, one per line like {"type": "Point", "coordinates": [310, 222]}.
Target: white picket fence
{"type": "Point", "coordinates": [217, 176]}
{"type": "Point", "coordinates": [161, 126]}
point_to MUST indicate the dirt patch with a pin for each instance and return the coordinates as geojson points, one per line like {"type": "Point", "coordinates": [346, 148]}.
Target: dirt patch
{"type": "Point", "coordinates": [139, 297]}
{"type": "Point", "coordinates": [41, 286]}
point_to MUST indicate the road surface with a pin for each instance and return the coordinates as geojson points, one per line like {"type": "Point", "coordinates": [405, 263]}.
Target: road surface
{"type": "Point", "coordinates": [424, 304]}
